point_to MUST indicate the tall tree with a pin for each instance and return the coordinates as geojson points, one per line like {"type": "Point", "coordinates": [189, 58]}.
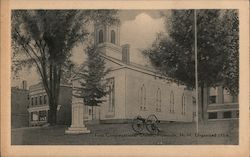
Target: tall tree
{"type": "Point", "coordinates": [174, 54]}
{"type": "Point", "coordinates": [93, 87]}
{"type": "Point", "coordinates": [45, 38]}
{"type": "Point", "coordinates": [230, 72]}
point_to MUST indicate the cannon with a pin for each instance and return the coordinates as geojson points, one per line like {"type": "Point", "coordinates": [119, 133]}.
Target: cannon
{"type": "Point", "coordinates": [150, 123]}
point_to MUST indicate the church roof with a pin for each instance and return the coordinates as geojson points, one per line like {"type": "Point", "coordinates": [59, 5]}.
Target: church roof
{"type": "Point", "coordinates": [138, 67]}
{"type": "Point", "coordinates": [132, 66]}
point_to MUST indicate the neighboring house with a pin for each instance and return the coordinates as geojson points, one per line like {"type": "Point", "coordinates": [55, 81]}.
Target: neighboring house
{"type": "Point", "coordinates": [19, 104]}
{"type": "Point", "coordinates": [135, 89]}
{"type": "Point", "coordinates": [39, 105]}
{"type": "Point", "coordinates": [219, 104]}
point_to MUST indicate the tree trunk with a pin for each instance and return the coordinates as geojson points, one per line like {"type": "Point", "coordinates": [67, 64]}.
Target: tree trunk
{"type": "Point", "coordinates": [52, 119]}
{"type": "Point", "coordinates": [53, 95]}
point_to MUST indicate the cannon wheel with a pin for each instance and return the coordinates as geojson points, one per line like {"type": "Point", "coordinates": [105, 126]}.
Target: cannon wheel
{"type": "Point", "coordinates": [137, 125]}
{"type": "Point", "coordinates": [152, 124]}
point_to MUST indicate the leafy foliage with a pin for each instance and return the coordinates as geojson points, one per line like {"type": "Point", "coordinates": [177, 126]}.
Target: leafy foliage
{"type": "Point", "coordinates": [45, 38]}
{"type": "Point", "coordinates": [230, 72]}
{"type": "Point", "coordinates": [217, 47]}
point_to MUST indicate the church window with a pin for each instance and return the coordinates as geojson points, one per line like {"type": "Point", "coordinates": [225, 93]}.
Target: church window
{"type": "Point", "coordinates": [172, 102]}
{"type": "Point", "coordinates": [183, 106]}
{"type": "Point", "coordinates": [113, 36]}
{"type": "Point", "coordinates": [158, 100]}
{"type": "Point", "coordinates": [111, 95]}
{"type": "Point", "coordinates": [142, 97]}
{"type": "Point", "coordinates": [101, 36]}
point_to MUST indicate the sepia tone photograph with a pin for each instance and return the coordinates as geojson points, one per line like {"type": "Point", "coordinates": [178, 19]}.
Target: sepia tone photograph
{"type": "Point", "coordinates": [125, 77]}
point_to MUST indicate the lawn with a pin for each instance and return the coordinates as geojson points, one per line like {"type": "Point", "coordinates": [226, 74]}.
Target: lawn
{"type": "Point", "coordinates": [220, 132]}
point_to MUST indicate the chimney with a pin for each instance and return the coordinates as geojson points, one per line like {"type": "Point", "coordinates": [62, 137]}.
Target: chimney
{"type": "Point", "coordinates": [24, 85]}
{"type": "Point", "coordinates": [125, 53]}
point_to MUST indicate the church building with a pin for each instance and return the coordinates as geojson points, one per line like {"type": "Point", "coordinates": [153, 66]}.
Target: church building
{"type": "Point", "coordinates": [135, 89]}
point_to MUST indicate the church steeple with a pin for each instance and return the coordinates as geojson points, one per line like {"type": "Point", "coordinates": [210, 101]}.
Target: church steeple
{"type": "Point", "coordinates": [107, 40]}
{"type": "Point", "coordinates": [107, 34]}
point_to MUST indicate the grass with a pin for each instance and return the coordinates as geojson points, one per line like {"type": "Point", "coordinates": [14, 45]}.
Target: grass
{"type": "Point", "coordinates": [219, 133]}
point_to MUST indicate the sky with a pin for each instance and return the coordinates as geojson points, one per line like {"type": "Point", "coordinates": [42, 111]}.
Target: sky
{"type": "Point", "coordinates": [138, 29]}
{"type": "Point", "coordinates": [140, 32]}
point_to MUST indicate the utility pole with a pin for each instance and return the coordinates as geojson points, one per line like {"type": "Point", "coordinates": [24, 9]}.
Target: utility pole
{"type": "Point", "coordinates": [196, 72]}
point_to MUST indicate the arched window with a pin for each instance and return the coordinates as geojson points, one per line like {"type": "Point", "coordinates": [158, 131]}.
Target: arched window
{"type": "Point", "coordinates": [142, 97]}
{"type": "Point", "coordinates": [101, 36]}
{"type": "Point", "coordinates": [111, 95]}
{"type": "Point", "coordinates": [183, 106]}
{"type": "Point", "coordinates": [172, 102]}
{"type": "Point", "coordinates": [158, 100]}
{"type": "Point", "coordinates": [113, 36]}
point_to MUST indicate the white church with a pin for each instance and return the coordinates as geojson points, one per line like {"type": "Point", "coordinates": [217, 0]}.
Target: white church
{"type": "Point", "coordinates": [136, 89]}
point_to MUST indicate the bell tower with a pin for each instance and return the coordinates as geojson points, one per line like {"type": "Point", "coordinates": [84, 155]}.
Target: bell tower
{"type": "Point", "coordinates": [107, 34]}
{"type": "Point", "coordinates": [107, 39]}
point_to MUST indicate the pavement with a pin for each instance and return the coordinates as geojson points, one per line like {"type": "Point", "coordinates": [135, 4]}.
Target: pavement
{"type": "Point", "coordinates": [215, 133]}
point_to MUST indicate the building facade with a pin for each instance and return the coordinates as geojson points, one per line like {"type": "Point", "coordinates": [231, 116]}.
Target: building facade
{"type": "Point", "coordinates": [135, 89]}
{"type": "Point", "coordinates": [39, 106]}
{"type": "Point", "coordinates": [19, 105]}
{"type": "Point", "coordinates": [219, 104]}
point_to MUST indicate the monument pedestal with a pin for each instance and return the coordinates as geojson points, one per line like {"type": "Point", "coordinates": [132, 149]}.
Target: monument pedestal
{"type": "Point", "coordinates": [77, 130]}
{"type": "Point", "coordinates": [77, 123]}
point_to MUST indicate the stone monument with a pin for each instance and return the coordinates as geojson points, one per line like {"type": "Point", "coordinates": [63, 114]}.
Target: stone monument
{"type": "Point", "coordinates": [77, 122]}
